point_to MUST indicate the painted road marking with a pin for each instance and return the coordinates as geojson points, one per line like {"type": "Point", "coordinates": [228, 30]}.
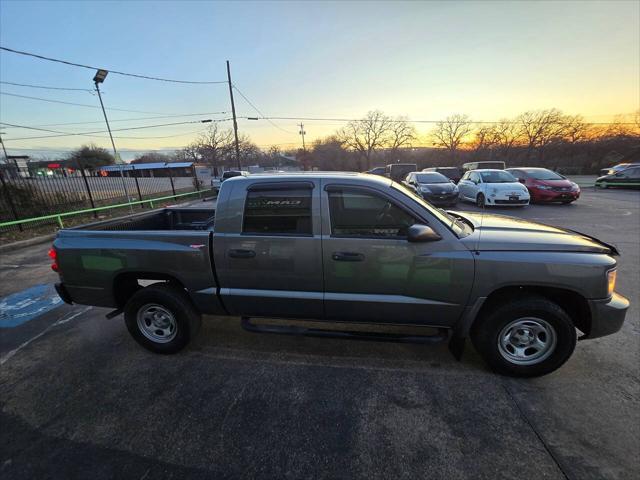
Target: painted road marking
{"type": "Point", "coordinates": [62, 321]}
{"type": "Point", "coordinates": [19, 308]}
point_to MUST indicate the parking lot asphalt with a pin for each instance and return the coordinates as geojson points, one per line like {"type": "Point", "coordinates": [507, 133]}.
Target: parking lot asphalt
{"type": "Point", "coordinates": [80, 399]}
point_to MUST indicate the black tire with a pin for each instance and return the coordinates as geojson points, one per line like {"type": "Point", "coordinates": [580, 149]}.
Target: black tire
{"type": "Point", "coordinates": [480, 202]}
{"type": "Point", "coordinates": [183, 320]}
{"type": "Point", "coordinates": [487, 330]}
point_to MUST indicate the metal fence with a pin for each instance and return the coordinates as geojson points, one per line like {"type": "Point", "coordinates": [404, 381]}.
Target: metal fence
{"type": "Point", "coordinates": [23, 196]}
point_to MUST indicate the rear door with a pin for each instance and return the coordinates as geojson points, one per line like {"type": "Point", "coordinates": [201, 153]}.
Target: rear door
{"type": "Point", "coordinates": [268, 249]}
{"type": "Point", "coordinates": [373, 274]}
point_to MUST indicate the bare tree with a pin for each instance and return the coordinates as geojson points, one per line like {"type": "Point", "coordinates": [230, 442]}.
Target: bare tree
{"type": "Point", "coordinates": [484, 140]}
{"type": "Point", "coordinates": [574, 128]}
{"type": "Point", "coordinates": [401, 134]}
{"type": "Point", "coordinates": [506, 134]}
{"type": "Point", "coordinates": [215, 146]}
{"type": "Point", "coordinates": [539, 128]}
{"type": "Point", "coordinates": [367, 135]}
{"type": "Point", "coordinates": [450, 132]}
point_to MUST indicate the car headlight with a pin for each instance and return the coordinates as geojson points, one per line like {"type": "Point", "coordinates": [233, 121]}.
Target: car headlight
{"type": "Point", "coordinates": [544, 187]}
{"type": "Point", "coordinates": [424, 189]}
{"type": "Point", "coordinates": [611, 281]}
{"type": "Point", "coordinates": [575, 186]}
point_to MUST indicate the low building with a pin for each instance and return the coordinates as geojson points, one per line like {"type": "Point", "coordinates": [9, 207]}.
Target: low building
{"type": "Point", "coordinates": [158, 169]}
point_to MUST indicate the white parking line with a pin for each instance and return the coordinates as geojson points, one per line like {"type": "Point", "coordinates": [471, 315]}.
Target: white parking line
{"type": "Point", "coordinates": [62, 321]}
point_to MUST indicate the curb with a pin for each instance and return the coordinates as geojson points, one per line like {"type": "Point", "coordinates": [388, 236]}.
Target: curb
{"type": "Point", "coordinates": [27, 243]}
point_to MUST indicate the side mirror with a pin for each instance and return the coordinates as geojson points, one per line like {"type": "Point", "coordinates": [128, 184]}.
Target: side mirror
{"type": "Point", "coordinates": [521, 180]}
{"type": "Point", "coordinates": [422, 233]}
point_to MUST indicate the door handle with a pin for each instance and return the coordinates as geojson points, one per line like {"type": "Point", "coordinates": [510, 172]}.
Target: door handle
{"type": "Point", "coordinates": [347, 257]}
{"type": "Point", "coordinates": [241, 253]}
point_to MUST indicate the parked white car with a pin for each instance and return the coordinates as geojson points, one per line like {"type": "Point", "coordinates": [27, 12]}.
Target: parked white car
{"type": "Point", "coordinates": [492, 187]}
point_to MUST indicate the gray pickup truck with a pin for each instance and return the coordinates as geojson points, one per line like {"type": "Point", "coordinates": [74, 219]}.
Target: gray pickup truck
{"type": "Point", "coordinates": [347, 248]}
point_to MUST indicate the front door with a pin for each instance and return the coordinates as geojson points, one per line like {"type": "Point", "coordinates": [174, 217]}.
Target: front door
{"type": "Point", "coordinates": [373, 274]}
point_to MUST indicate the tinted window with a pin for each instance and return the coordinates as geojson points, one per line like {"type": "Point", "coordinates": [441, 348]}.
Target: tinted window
{"type": "Point", "coordinates": [277, 212]}
{"type": "Point", "coordinates": [497, 176]}
{"type": "Point", "coordinates": [634, 172]}
{"type": "Point", "coordinates": [544, 174]}
{"type": "Point", "coordinates": [432, 178]}
{"type": "Point", "coordinates": [358, 213]}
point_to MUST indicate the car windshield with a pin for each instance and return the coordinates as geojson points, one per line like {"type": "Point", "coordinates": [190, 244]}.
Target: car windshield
{"type": "Point", "coordinates": [544, 174]}
{"type": "Point", "coordinates": [497, 176]}
{"type": "Point", "coordinates": [431, 178]}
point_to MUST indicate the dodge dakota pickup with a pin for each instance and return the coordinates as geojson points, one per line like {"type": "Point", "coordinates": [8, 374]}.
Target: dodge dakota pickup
{"type": "Point", "coordinates": [341, 247]}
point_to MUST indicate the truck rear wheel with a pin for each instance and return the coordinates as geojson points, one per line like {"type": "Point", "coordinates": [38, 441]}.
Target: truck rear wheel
{"type": "Point", "coordinates": [161, 318]}
{"type": "Point", "coordinates": [527, 337]}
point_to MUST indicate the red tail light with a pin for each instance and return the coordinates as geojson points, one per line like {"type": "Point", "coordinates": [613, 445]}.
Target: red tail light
{"type": "Point", "coordinates": [53, 255]}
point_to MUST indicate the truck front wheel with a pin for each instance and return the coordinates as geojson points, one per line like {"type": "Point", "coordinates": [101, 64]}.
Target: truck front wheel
{"type": "Point", "coordinates": [526, 337]}
{"type": "Point", "coordinates": [161, 318]}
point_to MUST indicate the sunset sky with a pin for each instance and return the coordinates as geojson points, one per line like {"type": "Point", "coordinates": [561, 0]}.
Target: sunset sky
{"type": "Point", "coordinates": [425, 60]}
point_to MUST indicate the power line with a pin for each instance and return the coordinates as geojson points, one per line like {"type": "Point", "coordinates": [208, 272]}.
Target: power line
{"type": "Point", "coordinates": [114, 72]}
{"type": "Point", "coordinates": [407, 120]}
{"type": "Point", "coordinates": [76, 104]}
{"type": "Point", "coordinates": [132, 119]}
{"type": "Point", "coordinates": [89, 134]}
{"type": "Point", "coordinates": [258, 110]}
{"type": "Point", "coordinates": [48, 88]}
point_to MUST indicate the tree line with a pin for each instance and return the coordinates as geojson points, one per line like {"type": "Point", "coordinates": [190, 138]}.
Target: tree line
{"type": "Point", "coordinates": [536, 138]}
{"type": "Point", "coordinates": [546, 138]}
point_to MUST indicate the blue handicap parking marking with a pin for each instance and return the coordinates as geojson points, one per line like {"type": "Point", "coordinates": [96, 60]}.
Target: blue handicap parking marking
{"type": "Point", "coordinates": [19, 308]}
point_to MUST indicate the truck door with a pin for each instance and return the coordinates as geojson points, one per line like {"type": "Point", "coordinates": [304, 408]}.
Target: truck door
{"type": "Point", "coordinates": [373, 274]}
{"type": "Point", "coordinates": [268, 253]}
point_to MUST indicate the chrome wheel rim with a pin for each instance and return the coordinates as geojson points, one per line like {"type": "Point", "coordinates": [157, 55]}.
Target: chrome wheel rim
{"type": "Point", "coordinates": [157, 323]}
{"type": "Point", "coordinates": [527, 341]}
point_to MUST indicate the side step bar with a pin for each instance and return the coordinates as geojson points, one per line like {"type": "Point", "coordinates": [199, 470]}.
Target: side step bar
{"type": "Point", "coordinates": [441, 336]}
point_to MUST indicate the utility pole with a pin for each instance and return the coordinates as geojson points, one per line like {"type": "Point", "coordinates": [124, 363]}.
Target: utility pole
{"type": "Point", "coordinates": [302, 132]}
{"type": "Point", "coordinates": [4, 149]}
{"type": "Point", "coordinates": [97, 79]}
{"type": "Point", "coordinates": [233, 111]}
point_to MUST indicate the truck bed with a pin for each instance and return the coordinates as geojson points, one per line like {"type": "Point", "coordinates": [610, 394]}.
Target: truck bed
{"type": "Point", "coordinates": [158, 220]}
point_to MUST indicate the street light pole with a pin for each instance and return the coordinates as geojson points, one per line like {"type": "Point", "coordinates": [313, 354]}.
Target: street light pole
{"type": "Point", "coordinates": [106, 120]}
{"type": "Point", "coordinates": [98, 79]}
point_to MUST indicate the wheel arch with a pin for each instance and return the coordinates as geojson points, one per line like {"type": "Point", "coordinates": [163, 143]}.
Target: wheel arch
{"type": "Point", "coordinates": [573, 303]}
{"type": "Point", "coordinates": [126, 284]}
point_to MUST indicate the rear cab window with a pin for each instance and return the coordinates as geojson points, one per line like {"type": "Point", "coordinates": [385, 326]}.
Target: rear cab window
{"type": "Point", "coordinates": [278, 211]}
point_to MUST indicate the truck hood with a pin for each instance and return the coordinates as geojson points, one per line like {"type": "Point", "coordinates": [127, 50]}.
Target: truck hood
{"type": "Point", "coordinates": [502, 233]}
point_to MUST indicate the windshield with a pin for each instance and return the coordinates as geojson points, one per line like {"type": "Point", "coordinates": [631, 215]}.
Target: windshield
{"type": "Point", "coordinates": [457, 225]}
{"type": "Point", "coordinates": [544, 174]}
{"type": "Point", "coordinates": [497, 176]}
{"type": "Point", "coordinates": [431, 178]}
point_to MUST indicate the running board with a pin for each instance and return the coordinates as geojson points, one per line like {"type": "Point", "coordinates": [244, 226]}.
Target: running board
{"type": "Point", "coordinates": [441, 336]}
